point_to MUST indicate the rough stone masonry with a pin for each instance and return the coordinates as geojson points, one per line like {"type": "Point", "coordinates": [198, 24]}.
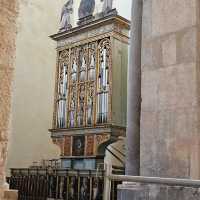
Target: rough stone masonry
{"type": "Point", "coordinates": [8, 15]}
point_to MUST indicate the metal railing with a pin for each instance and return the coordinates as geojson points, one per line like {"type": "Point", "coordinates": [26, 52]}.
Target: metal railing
{"type": "Point", "coordinates": [51, 183]}
{"type": "Point", "coordinates": [41, 184]}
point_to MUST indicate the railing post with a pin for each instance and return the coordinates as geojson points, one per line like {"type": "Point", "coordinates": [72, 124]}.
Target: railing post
{"type": "Point", "coordinates": [57, 185]}
{"type": "Point", "coordinates": [107, 182]}
{"type": "Point", "coordinates": [91, 187]}
{"type": "Point", "coordinates": [79, 184]}
{"type": "Point", "coordinates": [67, 189]}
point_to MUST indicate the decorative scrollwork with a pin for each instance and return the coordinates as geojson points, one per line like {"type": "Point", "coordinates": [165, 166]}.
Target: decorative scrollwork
{"type": "Point", "coordinates": [62, 89]}
{"type": "Point", "coordinates": [90, 103]}
{"type": "Point", "coordinates": [64, 55]}
{"type": "Point", "coordinates": [81, 105]}
{"type": "Point", "coordinates": [72, 106]}
{"type": "Point", "coordinates": [103, 80]}
{"type": "Point", "coordinates": [83, 64]}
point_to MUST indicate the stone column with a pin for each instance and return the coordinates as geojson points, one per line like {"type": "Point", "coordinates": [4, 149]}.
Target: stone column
{"type": "Point", "coordinates": [131, 191]}
{"type": "Point", "coordinates": [134, 92]}
{"type": "Point", "coordinates": [8, 14]}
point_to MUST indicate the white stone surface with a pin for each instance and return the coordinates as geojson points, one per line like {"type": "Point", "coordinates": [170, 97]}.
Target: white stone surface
{"type": "Point", "coordinates": [169, 50]}
{"type": "Point", "coordinates": [170, 94]}
{"type": "Point", "coordinates": [172, 15]}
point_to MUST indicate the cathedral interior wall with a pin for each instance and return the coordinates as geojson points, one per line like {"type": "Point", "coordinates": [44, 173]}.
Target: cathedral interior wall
{"type": "Point", "coordinates": [32, 103]}
{"type": "Point", "coordinates": [170, 99]}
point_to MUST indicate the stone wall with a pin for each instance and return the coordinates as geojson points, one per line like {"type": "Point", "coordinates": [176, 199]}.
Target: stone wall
{"type": "Point", "coordinates": [157, 192]}
{"type": "Point", "coordinates": [170, 145]}
{"type": "Point", "coordinates": [173, 193]}
{"type": "Point", "coordinates": [8, 15]}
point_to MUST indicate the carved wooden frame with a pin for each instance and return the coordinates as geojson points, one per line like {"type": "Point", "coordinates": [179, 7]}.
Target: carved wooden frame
{"type": "Point", "coordinates": [75, 49]}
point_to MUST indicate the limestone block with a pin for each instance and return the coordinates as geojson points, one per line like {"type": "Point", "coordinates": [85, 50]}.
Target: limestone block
{"type": "Point", "coordinates": [147, 53]}
{"type": "Point", "coordinates": [168, 138]}
{"type": "Point", "coordinates": [158, 192]}
{"type": "Point", "coordinates": [172, 15]}
{"type": "Point", "coordinates": [169, 50]}
{"type": "Point", "coordinates": [177, 86]}
{"type": "Point", "coordinates": [147, 20]}
{"type": "Point", "coordinates": [194, 161]}
{"type": "Point", "coordinates": [131, 191]}
{"type": "Point", "coordinates": [150, 90]}
{"type": "Point", "coordinates": [169, 88]}
{"type": "Point", "coordinates": [161, 192]}
{"type": "Point", "coordinates": [148, 148]}
{"type": "Point", "coordinates": [151, 55]}
{"type": "Point", "coordinates": [187, 45]}
{"type": "Point", "coordinates": [180, 193]}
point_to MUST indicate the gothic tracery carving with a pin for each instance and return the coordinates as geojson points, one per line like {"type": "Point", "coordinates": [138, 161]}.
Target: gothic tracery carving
{"type": "Point", "coordinates": [62, 89]}
{"type": "Point", "coordinates": [103, 81]}
{"type": "Point", "coordinates": [81, 105]}
{"type": "Point", "coordinates": [83, 85]}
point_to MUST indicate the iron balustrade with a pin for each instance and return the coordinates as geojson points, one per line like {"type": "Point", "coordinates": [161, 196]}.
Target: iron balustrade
{"type": "Point", "coordinates": [43, 184]}
{"type": "Point", "coordinates": [52, 183]}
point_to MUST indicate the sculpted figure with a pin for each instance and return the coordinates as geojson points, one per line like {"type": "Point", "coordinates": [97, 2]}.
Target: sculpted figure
{"type": "Point", "coordinates": [86, 8]}
{"type": "Point", "coordinates": [67, 11]}
{"type": "Point", "coordinates": [108, 4]}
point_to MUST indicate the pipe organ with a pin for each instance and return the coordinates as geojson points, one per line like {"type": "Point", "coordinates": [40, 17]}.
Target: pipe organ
{"type": "Point", "coordinates": [90, 90]}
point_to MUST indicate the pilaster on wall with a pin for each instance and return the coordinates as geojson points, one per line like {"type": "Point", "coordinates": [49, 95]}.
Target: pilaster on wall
{"type": "Point", "coordinates": [8, 15]}
{"type": "Point", "coordinates": [170, 117]}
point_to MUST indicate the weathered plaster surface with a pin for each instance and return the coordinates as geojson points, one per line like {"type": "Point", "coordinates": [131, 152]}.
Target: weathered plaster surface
{"type": "Point", "coordinates": [32, 104]}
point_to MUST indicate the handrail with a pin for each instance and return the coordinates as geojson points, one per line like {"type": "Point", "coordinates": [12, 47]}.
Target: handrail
{"type": "Point", "coordinates": [59, 172]}
{"type": "Point", "coordinates": [156, 180]}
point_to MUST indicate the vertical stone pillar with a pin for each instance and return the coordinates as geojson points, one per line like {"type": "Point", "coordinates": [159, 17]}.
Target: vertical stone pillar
{"type": "Point", "coordinates": [128, 191]}
{"type": "Point", "coordinates": [134, 92]}
{"type": "Point", "coordinates": [8, 14]}
{"type": "Point", "coordinates": [170, 111]}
